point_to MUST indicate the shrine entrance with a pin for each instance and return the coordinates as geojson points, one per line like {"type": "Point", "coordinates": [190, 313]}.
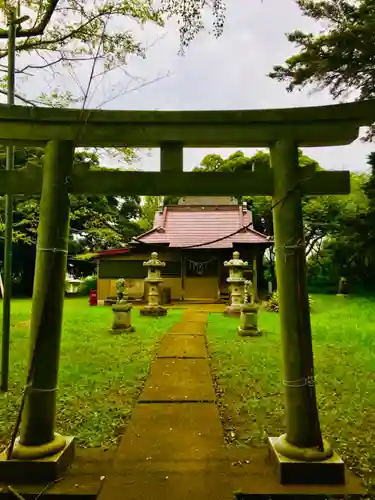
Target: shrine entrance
{"type": "Point", "coordinates": [200, 281]}
{"type": "Point", "coordinates": [301, 454]}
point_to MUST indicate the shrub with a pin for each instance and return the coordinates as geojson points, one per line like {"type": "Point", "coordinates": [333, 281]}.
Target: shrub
{"type": "Point", "coordinates": [88, 284]}
{"type": "Point", "coordinates": [272, 304]}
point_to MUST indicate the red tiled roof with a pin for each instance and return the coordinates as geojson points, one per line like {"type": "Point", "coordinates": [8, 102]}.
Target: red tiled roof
{"type": "Point", "coordinates": [182, 226]}
{"type": "Point", "coordinates": [112, 251]}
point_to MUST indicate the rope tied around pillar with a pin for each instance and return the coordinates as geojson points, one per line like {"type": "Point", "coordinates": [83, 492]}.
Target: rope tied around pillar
{"type": "Point", "coordinates": [39, 389]}
{"type": "Point", "coordinates": [302, 382]}
{"type": "Point", "coordinates": [54, 250]}
{"type": "Point", "coordinates": [288, 249]}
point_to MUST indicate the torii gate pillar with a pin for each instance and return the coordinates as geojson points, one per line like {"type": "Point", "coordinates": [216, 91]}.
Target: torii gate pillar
{"type": "Point", "coordinates": [301, 454]}
{"type": "Point", "coordinates": [39, 453]}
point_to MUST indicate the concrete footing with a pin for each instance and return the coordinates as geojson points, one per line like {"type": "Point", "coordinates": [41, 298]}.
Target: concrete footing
{"type": "Point", "coordinates": [39, 470]}
{"type": "Point", "coordinates": [330, 471]}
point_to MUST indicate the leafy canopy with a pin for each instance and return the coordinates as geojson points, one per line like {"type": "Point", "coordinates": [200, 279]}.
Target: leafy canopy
{"type": "Point", "coordinates": [341, 58]}
{"type": "Point", "coordinates": [321, 213]}
{"type": "Point", "coordinates": [97, 222]}
{"type": "Point", "coordinates": [75, 31]}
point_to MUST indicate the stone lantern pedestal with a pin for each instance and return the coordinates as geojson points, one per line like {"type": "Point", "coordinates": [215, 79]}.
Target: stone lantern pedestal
{"type": "Point", "coordinates": [249, 321]}
{"type": "Point", "coordinates": [343, 288]}
{"type": "Point", "coordinates": [122, 318]}
{"type": "Point", "coordinates": [122, 322]}
{"type": "Point", "coordinates": [237, 284]}
{"type": "Point", "coordinates": [154, 279]}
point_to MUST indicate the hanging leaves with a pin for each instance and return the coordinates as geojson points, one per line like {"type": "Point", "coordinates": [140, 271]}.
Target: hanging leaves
{"type": "Point", "coordinates": [189, 15]}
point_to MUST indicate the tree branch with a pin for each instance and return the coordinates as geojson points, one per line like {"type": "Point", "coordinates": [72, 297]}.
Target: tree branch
{"type": "Point", "coordinates": [39, 28]}
{"type": "Point", "coordinates": [42, 43]}
{"type": "Point", "coordinates": [312, 243]}
{"type": "Point", "coordinates": [17, 96]}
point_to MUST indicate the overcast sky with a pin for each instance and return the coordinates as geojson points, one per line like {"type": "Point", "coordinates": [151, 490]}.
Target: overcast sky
{"type": "Point", "coordinates": [226, 73]}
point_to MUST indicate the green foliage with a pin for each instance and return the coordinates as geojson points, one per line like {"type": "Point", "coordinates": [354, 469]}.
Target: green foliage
{"type": "Point", "coordinates": [272, 304]}
{"type": "Point", "coordinates": [320, 213]}
{"type": "Point", "coordinates": [97, 222]}
{"type": "Point", "coordinates": [348, 250]}
{"type": "Point", "coordinates": [339, 230]}
{"type": "Point", "coordinates": [89, 283]}
{"type": "Point", "coordinates": [248, 376]}
{"type": "Point", "coordinates": [102, 31]}
{"type": "Point", "coordinates": [149, 208]}
{"type": "Point", "coordinates": [189, 13]}
{"type": "Point", "coordinates": [340, 58]}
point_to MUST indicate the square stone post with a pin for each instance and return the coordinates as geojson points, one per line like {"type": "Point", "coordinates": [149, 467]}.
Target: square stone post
{"type": "Point", "coordinates": [122, 310]}
{"type": "Point", "coordinates": [303, 440]}
{"type": "Point", "coordinates": [38, 438]}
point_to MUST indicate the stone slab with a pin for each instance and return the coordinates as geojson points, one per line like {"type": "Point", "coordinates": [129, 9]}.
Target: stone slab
{"type": "Point", "coordinates": [36, 471]}
{"type": "Point", "coordinates": [253, 476]}
{"type": "Point", "coordinates": [169, 485]}
{"type": "Point", "coordinates": [330, 471]}
{"type": "Point", "coordinates": [200, 317]}
{"type": "Point", "coordinates": [170, 432]}
{"type": "Point", "coordinates": [178, 380]}
{"type": "Point", "coordinates": [189, 328]}
{"type": "Point", "coordinates": [171, 451]}
{"type": "Point", "coordinates": [84, 479]}
{"type": "Point", "coordinates": [182, 346]}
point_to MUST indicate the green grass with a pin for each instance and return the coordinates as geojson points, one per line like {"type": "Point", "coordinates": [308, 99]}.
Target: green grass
{"type": "Point", "coordinates": [101, 374]}
{"type": "Point", "coordinates": [248, 376]}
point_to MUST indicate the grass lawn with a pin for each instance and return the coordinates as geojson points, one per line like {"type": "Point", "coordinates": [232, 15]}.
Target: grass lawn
{"type": "Point", "coordinates": [248, 378]}
{"type": "Point", "coordinates": [101, 374]}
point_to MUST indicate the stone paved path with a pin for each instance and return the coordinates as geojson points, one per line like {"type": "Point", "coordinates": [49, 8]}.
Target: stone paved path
{"type": "Point", "coordinates": [174, 448]}
{"type": "Point", "coordinates": [174, 445]}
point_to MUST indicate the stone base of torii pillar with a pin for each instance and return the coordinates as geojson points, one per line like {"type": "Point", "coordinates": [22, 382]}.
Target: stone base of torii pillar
{"type": "Point", "coordinates": [309, 466]}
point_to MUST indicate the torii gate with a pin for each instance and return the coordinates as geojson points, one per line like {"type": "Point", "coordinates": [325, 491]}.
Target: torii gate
{"type": "Point", "coordinates": [283, 131]}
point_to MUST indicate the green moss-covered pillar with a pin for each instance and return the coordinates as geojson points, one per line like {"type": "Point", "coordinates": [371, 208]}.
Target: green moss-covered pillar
{"type": "Point", "coordinates": [302, 421]}
{"type": "Point", "coordinates": [38, 420]}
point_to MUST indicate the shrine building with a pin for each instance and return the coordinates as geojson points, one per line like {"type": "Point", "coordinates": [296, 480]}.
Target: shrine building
{"type": "Point", "coordinates": [194, 238]}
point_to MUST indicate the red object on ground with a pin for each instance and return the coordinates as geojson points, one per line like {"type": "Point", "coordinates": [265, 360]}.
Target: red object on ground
{"type": "Point", "coordinates": [93, 298]}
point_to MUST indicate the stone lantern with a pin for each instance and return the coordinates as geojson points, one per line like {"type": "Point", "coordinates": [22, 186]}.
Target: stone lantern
{"type": "Point", "coordinates": [122, 310]}
{"type": "Point", "coordinates": [154, 279]}
{"type": "Point", "coordinates": [249, 315]}
{"type": "Point", "coordinates": [236, 282]}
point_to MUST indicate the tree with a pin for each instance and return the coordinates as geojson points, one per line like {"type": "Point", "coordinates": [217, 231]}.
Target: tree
{"type": "Point", "coordinates": [97, 222]}
{"type": "Point", "coordinates": [322, 214]}
{"type": "Point", "coordinates": [347, 251]}
{"type": "Point", "coordinates": [341, 58]}
{"type": "Point", "coordinates": [261, 205]}
{"type": "Point", "coordinates": [64, 35]}
{"type": "Point", "coordinates": [150, 206]}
